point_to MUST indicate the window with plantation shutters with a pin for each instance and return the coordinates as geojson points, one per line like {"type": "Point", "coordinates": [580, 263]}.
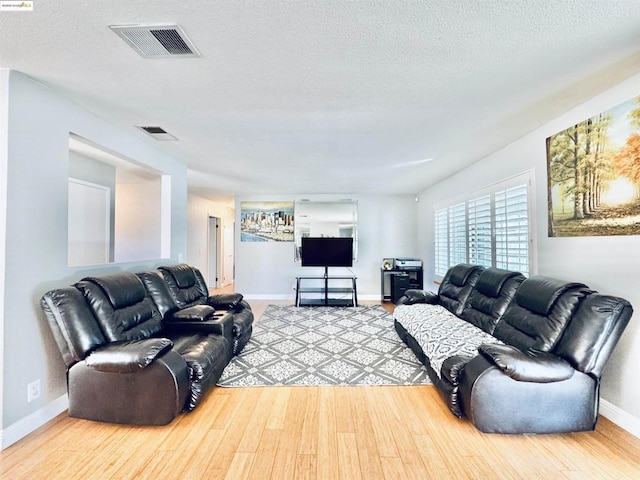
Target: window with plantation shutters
{"type": "Point", "coordinates": [442, 240]}
{"type": "Point", "coordinates": [457, 233]}
{"type": "Point", "coordinates": [489, 228]}
{"type": "Point", "coordinates": [512, 229]}
{"type": "Point", "coordinates": [479, 228]}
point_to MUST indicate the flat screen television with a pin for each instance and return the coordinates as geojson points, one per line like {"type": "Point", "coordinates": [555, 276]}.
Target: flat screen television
{"type": "Point", "coordinates": [327, 252]}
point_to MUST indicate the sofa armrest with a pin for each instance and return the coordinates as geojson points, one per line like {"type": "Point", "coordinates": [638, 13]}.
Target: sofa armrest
{"type": "Point", "coordinates": [452, 367]}
{"type": "Point", "coordinates": [530, 366]}
{"type": "Point", "coordinates": [127, 356]}
{"type": "Point", "coordinates": [225, 301]}
{"type": "Point", "coordinates": [219, 323]}
{"type": "Point", "coordinates": [196, 313]}
{"type": "Point", "coordinates": [412, 296]}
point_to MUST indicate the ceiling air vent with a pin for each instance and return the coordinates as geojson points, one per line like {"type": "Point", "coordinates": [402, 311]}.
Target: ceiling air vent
{"type": "Point", "coordinates": [157, 41]}
{"type": "Point", "coordinates": [158, 133]}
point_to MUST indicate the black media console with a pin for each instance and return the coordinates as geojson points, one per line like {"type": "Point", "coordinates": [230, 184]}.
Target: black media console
{"type": "Point", "coordinates": [327, 291]}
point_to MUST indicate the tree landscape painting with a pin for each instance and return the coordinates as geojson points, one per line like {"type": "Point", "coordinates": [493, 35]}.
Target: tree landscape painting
{"type": "Point", "coordinates": [594, 175]}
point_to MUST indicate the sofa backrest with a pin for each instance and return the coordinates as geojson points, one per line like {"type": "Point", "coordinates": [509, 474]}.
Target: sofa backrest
{"type": "Point", "coordinates": [490, 296]}
{"type": "Point", "coordinates": [121, 306]}
{"type": "Point", "coordinates": [74, 327]}
{"type": "Point", "coordinates": [593, 332]}
{"type": "Point", "coordinates": [456, 286]}
{"type": "Point", "coordinates": [184, 285]}
{"type": "Point", "coordinates": [539, 313]}
{"type": "Point", "coordinates": [158, 291]}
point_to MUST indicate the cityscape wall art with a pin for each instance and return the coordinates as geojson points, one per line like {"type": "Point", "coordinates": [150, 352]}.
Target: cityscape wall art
{"type": "Point", "coordinates": [266, 221]}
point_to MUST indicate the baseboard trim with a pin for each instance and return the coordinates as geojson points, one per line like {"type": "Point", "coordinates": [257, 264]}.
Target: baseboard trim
{"type": "Point", "coordinates": [370, 298]}
{"type": "Point", "coordinates": [621, 418]}
{"type": "Point", "coordinates": [29, 424]}
{"type": "Point", "coordinates": [271, 296]}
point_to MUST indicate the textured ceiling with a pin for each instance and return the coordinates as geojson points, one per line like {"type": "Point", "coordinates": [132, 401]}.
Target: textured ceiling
{"type": "Point", "coordinates": [330, 96]}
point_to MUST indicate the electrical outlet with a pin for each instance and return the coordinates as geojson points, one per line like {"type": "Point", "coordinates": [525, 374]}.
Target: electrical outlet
{"type": "Point", "coordinates": [33, 390]}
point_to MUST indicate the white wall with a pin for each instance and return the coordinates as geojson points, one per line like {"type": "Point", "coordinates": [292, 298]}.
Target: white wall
{"type": "Point", "coordinates": [94, 171]}
{"type": "Point", "coordinates": [386, 228]}
{"type": "Point", "coordinates": [37, 124]}
{"type": "Point", "coordinates": [4, 160]}
{"type": "Point", "coordinates": [607, 264]}
{"type": "Point", "coordinates": [138, 219]}
{"type": "Point", "coordinates": [199, 211]}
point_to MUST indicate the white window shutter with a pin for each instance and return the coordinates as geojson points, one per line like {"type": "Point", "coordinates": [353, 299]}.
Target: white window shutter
{"type": "Point", "coordinates": [489, 228]}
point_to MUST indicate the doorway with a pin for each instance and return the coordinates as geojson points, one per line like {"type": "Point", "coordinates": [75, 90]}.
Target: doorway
{"type": "Point", "coordinates": [214, 252]}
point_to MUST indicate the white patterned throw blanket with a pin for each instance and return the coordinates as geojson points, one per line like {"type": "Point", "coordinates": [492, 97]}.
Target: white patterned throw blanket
{"type": "Point", "coordinates": [440, 333]}
{"type": "Point", "coordinates": [324, 346]}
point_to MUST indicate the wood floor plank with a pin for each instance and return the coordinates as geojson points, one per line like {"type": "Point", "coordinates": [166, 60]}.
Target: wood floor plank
{"type": "Point", "coordinates": [327, 435]}
{"type": "Point", "coordinates": [306, 467]}
{"type": "Point", "coordinates": [348, 459]}
{"type": "Point", "coordinates": [233, 434]}
{"type": "Point", "coordinates": [265, 454]}
{"type": "Point", "coordinates": [240, 466]}
{"type": "Point", "coordinates": [436, 467]}
{"type": "Point", "coordinates": [370, 464]}
{"type": "Point", "coordinates": [345, 411]}
{"type": "Point", "coordinates": [278, 411]}
{"type": "Point", "coordinates": [309, 434]}
{"type": "Point", "coordinates": [203, 456]}
{"type": "Point", "coordinates": [379, 413]}
{"type": "Point", "coordinates": [284, 464]}
{"type": "Point", "coordinates": [393, 469]}
{"type": "Point", "coordinates": [250, 441]}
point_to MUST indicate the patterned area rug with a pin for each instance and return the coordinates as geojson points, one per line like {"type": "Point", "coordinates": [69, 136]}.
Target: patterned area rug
{"type": "Point", "coordinates": [324, 346]}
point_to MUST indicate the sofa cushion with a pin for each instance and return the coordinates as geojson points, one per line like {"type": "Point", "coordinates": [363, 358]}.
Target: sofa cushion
{"type": "Point", "coordinates": [183, 275]}
{"type": "Point", "coordinates": [459, 274]}
{"type": "Point", "coordinates": [457, 285]}
{"type": "Point", "coordinates": [490, 296]}
{"type": "Point", "coordinates": [72, 323]}
{"type": "Point", "coordinates": [593, 332]}
{"type": "Point", "coordinates": [490, 281]}
{"type": "Point", "coordinates": [538, 294]}
{"type": "Point", "coordinates": [524, 327]}
{"type": "Point", "coordinates": [206, 355]}
{"type": "Point", "coordinates": [121, 315]}
{"type": "Point", "coordinates": [158, 291]}
{"type": "Point", "coordinates": [123, 289]}
{"type": "Point", "coordinates": [183, 285]}
{"type": "Point", "coordinates": [440, 333]}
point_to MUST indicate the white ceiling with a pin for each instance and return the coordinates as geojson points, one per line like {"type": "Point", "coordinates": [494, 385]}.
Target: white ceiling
{"type": "Point", "coordinates": [294, 96]}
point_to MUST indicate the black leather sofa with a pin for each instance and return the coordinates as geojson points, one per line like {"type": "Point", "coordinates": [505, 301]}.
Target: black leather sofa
{"type": "Point", "coordinates": [514, 355]}
{"type": "Point", "coordinates": [132, 355]}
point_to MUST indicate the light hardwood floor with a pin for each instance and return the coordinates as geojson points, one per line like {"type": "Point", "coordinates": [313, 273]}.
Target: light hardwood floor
{"type": "Point", "coordinates": [316, 432]}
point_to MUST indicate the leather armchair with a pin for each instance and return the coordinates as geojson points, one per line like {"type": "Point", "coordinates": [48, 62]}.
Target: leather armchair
{"type": "Point", "coordinates": [187, 287]}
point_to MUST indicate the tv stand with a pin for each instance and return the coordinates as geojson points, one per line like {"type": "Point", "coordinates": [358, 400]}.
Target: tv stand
{"type": "Point", "coordinates": [326, 291]}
